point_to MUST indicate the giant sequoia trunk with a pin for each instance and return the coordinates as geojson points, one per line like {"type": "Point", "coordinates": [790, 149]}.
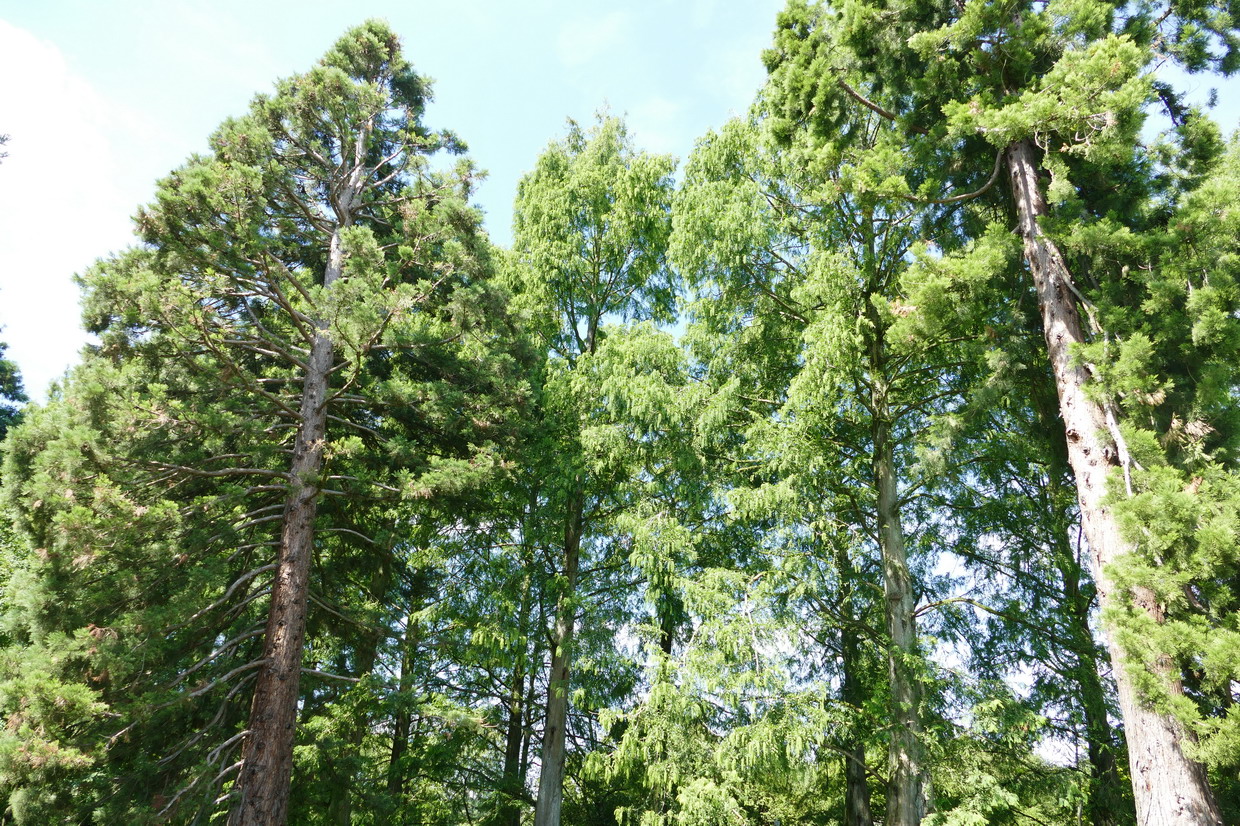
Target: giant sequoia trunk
{"type": "Point", "coordinates": [906, 801]}
{"type": "Point", "coordinates": [1170, 789]}
{"type": "Point", "coordinates": [551, 781]}
{"type": "Point", "coordinates": [267, 760]}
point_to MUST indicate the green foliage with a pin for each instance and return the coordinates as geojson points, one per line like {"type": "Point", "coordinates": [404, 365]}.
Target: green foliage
{"type": "Point", "coordinates": [529, 459]}
{"type": "Point", "coordinates": [11, 393]}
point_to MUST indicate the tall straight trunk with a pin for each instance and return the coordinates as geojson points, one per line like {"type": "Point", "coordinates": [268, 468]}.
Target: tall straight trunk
{"type": "Point", "coordinates": [551, 781]}
{"type": "Point", "coordinates": [1106, 802]}
{"type": "Point", "coordinates": [261, 794]}
{"type": "Point", "coordinates": [509, 809]}
{"type": "Point", "coordinates": [856, 782]}
{"type": "Point", "coordinates": [1170, 789]}
{"type": "Point", "coordinates": [906, 799]}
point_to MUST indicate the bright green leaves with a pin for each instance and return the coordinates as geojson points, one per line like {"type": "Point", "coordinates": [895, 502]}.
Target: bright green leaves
{"type": "Point", "coordinates": [591, 225]}
{"type": "Point", "coordinates": [1087, 104]}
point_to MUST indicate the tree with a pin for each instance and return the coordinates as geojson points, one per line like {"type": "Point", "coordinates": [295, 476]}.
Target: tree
{"type": "Point", "coordinates": [840, 347]}
{"type": "Point", "coordinates": [977, 88]}
{"type": "Point", "coordinates": [306, 348]}
{"type": "Point", "coordinates": [11, 393]}
{"type": "Point", "coordinates": [590, 229]}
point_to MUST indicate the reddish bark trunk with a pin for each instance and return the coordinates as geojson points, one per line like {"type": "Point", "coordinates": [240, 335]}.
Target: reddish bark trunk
{"type": "Point", "coordinates": [261, 794]}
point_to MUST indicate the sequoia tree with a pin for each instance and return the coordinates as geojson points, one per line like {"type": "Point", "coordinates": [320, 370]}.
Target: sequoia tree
{"type": "Point", "coordinates": [304, 349]}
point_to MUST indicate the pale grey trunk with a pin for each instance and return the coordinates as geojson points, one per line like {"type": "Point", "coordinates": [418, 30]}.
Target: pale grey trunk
{"type": "Point", "coordinates": [551, 780]}
{"type": "Point", "coordinates": [1170, 789]}
{"type": "Point", "coordinates": [1106, 803]}
{"type": "Point", "coordinates": [906, 800]}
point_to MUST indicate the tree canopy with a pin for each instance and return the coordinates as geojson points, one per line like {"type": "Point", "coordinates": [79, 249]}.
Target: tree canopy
{"type": "Point", "coordinates": [877, 464]}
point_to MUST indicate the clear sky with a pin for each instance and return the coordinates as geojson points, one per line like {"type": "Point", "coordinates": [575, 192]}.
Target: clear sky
{"type": "Point", "coordinates": [103, 98]}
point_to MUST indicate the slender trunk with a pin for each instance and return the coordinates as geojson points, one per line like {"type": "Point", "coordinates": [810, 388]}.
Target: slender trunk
{"type": "Point", "coordinates": [551, 781]}
{"type": "Point", "coordinates": [670, 613]}
{"type": "Point", "coordinates": [509, 809]}
{"type": "Point", "coordinates": [906, 801]}
{"type": "Point", "coordinates": [1170, 789]}
{"type": "Point", "coordinates": [403, 722]}
{"type": "Point", "coordinates": [512, 782]}
{"type": "Point", "coordinates": [856, 782]}
{"type": "Point", "coordinates": [527, 732]}
{"type": "Point", "coordinates": [1106, 803]}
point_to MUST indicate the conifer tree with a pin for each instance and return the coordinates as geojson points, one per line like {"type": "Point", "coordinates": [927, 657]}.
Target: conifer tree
{"type": "Point", "coordinates": [306, 347]}
{"type": "Point", "coordinates": [590, 230]}
{"type": "Point", "coordinates": [11, 392]}
{"type": "Point", "coordinates": [844, 352]}
{"type": "Point", "coordinates": [978, 89]}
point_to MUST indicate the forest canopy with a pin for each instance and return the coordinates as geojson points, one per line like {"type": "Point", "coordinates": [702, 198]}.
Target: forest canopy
{"type": "Point", "coordinates": [879, 463]}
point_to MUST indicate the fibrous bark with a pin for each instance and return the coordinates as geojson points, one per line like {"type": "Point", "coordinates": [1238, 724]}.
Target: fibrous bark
{"type": "Point", "coordinates": [1170, 789]}
{"type": "Point", "coordinates": [267, 760]}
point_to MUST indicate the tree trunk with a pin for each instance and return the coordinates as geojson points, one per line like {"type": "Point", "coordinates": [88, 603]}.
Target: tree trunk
{"type": "Point", "coordinates": [1170, 789]}
{"type": "Point", "coordinates": [856, 782]}
{"type": "Point", "coordinates": [551, 781]}
{"type": "Point", "coordinates": [906, 802]}
{"type": "Point", "coordinates": [403, 722]}
{"type": "Point", "coordinates": [509, 808]}
{"type": "Point", "coordinates": [512, 782]}
{"type": "Point", "coordinates": [345, 773]}
{"type": "Point", "coordinates": [1106, 803]}
{"type": "Point", "coordinates": [267, 759]}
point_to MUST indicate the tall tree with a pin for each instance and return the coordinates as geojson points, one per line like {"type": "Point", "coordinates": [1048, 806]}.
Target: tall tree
{"type": "Point", "coordinates": [306, 349]}
{"type": "Point", "coordinates": [977, 89]}
{"type": "Point", "coordinates": [810, 269]}
{"type": "Point", "coordinates": [590, 229]}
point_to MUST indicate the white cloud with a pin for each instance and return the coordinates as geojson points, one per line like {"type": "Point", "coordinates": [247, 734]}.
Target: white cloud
{"type": "Point", "coordinates": [580, 41]}
{"type": "Point", "coordinates": [59, 128]}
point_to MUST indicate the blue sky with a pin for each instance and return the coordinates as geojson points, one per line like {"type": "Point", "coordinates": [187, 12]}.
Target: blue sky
{"type": "Point", "coordinates": [103, 98]}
